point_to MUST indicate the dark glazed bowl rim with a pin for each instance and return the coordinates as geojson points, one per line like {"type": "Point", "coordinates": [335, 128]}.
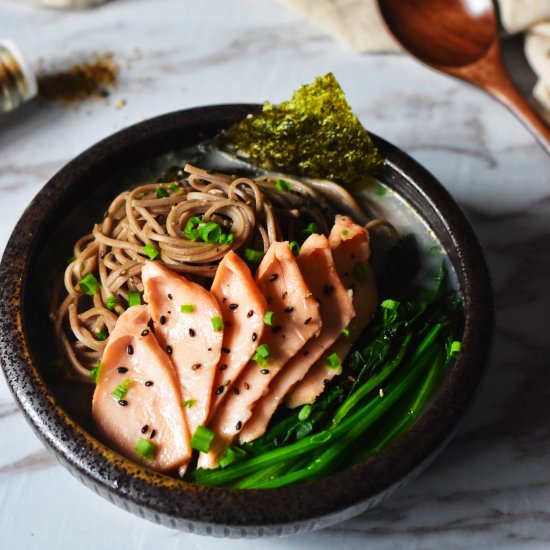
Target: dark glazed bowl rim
{"type": "Point", "coordinates": [201, 509]}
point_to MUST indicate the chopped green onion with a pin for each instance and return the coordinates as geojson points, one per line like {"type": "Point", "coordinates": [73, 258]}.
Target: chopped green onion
{"type": "Point", "coordinates": [360, 270]}
{"type": "Point", "coordinates": [223, 238]}
{"type": "Point", "coordinates": [231, 455]}
{"type": "Point", "coordinates": [282, 185]}
{"type": "Point", "coordinates": [255, 256]}
{"type": "Point", "coordinates": [269, 318]}
{"type": "Point", "coordinates": [161, 192]}
{"type": "Point", "coordinates": [94, 373]}
{"type": "Point", "coordinates": [134, 298]}
{"type": "Point", "coordinates": [210, 232]}
{"type": "Point", "coordinates": [389, 304]}
{"type": "Point", "coordinates": [151, 251]}
{"type": "Point", "coordinates": [202, 439]}
{"type": "Point", "coordinates": [191, 228]}
{"type": "Point", "coordinates": [311, 229]}
{"type": "Point", "coordinates": [345, 332]}
{"type": "Point", "coordinates": [390, 310]}
{"type": "Point", "coordinates": [434, 250]}
{"type": "Point", "coordinates": [455, 348]}
{"type": "Point", "coordinates": [263, 353]}
{"type": "Point", "coordinates": [344, 233]}
{"type": "Point", "coordinates": [145, 448]}
{"type": "Point", "coordinates": [101, 335]}
{"type": "Point", "coordinates": [230, 238]}
{"type": "Point", "coordinates": [217, 323]}
{"type": "Point", "coordinates": [187, 308]}
{"type": "Point", "coordinates": [380, 191]}
{"type": "Point", "coordinates": [174, 187]}
{"type": "Point", "coordinates": [333, 361]}
{"type": "Point", "coordinates": [71, 259]}
{"type": "Point", "coordinates": [294, 247]}
{"type": "Point", "coordinates": [89, 284]}
{"type": "Point", "coordinates": [304, 413]}
{"type": "Point", "coordinates": [121, 390]}
{"type": "Point", "coordinates": [189, 403]}
{"type": "Point", "coordinates": [111, 301]}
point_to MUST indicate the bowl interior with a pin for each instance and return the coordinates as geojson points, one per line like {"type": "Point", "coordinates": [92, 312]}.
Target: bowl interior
{"type": "Point", "coordinates": [59, 411]}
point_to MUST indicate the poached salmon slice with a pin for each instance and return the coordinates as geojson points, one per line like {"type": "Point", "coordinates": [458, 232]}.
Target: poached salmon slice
{"type": "Point", "coordinates": [192, 336]}
{"type": "Point", "coordinates": [349, 243]}
{"type": "Point", "coordinates": [296, 319]}
{"type": "Point", "coordinates": [243, 307]}
{"type": "Point", "coordinates": [320, 274]}
{"type": "Point", "coordinates": [147, 403]}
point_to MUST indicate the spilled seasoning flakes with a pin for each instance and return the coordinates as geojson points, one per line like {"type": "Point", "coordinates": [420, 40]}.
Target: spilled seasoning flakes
{"type": "Point", "coordinates": [88, 79]}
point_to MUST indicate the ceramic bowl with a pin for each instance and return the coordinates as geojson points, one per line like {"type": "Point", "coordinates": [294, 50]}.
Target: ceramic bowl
{"type": "Point", "coordinates": [59, 413]}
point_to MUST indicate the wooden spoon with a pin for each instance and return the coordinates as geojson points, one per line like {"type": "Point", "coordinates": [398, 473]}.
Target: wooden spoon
{"type": "Point", "coordinates": [460, 38]}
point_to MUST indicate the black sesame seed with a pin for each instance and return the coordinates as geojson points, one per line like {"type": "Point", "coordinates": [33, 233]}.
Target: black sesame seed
{"type": "Point", "coordinates": [145, 429]}
{"type": "Point", "coordinates": [192, 332]}
{"type": "Point", "coordinates": [162, 319]}
{"type": "Point", "coordinates": [122, 402]}
{"type": "Point", "coordinates": [233, 306]}
{"type": "Point", "coordinates": [236, 391]}
{"type": "Point", "coordinates": [226, 350]}
{"type": "Point", "coordinates": [276, 328]}
{"type": "Point", "coordinates": [220, 390]}
{"type": "Point", "coordinates": [250, 313]}
{"type": "Point", "coordinates": [112, 257]}
{"type": "Point", "coordinates": [196, 366]}
{"type": "Point", "coordinates": [326, 381]}
{"type": "Point", "coordinates": [273, 277]}
{"type": "Point", "coordinates": [265, 371]}
{"type": "Point", "coordinates": [169, 296]}
{"type": "Point", "coordinates": [346, 273]}
{"type": "Point", "coordinates": [224, 299]}
{"type": "Point", "coordinates": [149, 383]}
{"type": "Point", "coordinates": [153, 433]}
{"type": "Point", "coordinates": [352, 256]}
{"type": "Point", "coordinates": [284, 295]}
{"type": "Point", "coordinates": [283, 336]}
{"type": "Point", "coordinates": [254, 336]}
{"type": "Point", "coordinates": [246, 386]}
{"type": "Point", "coordinates": [269, 299]}
{"type": "Point", "coordinates": [288, 309]}
{"type": "Point", "coordinates": [169, 350]}
{"type": "Point", "coordinates": [223, 367]}
{"type": "Point", "coordinates": [102, 255]}
{"type": "Point", "coordinates": [122, 370]}
{"type": "Point", "coordinates": [328, 289]}
{"type": "Point", "coordinates": [307, 321]}
{"type": "Point", "coordinates": [145, 332]}
{"type": "Point", "coordinates": [130, 349]}
{"type": "Point", "coordinates": [238, 425]}
{"type": "Point", "coordinates": [305, 352]}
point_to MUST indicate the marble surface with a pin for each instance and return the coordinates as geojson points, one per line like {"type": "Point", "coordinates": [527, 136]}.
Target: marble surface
{"type": "Point", "coordinates": [491, 486]}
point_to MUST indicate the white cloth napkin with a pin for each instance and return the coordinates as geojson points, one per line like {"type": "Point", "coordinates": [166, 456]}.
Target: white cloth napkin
{"type": "Point", "coordinates": [359, 25]}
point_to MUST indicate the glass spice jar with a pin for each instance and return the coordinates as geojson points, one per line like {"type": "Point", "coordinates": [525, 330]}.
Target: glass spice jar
{"type": "Point", "coordinates": [17, 79]}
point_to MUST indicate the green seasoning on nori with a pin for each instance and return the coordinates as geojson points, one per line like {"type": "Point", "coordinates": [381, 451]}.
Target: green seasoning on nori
{"type": "Point", "coordinates": [314, 134]}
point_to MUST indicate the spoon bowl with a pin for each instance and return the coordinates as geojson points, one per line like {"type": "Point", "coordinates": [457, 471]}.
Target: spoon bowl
{"type": "Point", "coordinates": [461, 38]}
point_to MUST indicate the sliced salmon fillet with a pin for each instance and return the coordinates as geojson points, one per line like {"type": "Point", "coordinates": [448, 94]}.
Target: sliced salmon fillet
{"type": "Point", "coordinates": [151, 407]}
{"type": "Point", "coordinates": [320, 274]}
{"type": "Point", "coordinates": [243, 307]}
{"type": "Point", "coordinates": [297, 319]}
{"type": "Point", "coordinates": [350, 248]}
{"type": "Point", "coordinates": [191, 340]}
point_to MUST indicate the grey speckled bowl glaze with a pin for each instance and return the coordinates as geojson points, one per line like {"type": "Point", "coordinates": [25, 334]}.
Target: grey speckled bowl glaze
{"type": "Point", "coordinates": [26, 336]}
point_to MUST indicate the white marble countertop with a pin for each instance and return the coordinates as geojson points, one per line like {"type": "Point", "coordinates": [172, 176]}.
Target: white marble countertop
{"type": "Point", "coordinates": [491, 486]}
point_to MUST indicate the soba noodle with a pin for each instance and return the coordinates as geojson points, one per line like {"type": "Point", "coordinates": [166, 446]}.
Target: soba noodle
{"type": "Point", "coordinates": [254, 211]}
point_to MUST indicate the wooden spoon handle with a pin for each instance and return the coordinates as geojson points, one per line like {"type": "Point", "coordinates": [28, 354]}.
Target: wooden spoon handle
{"type": "Point", "coordinates": [492, 76]}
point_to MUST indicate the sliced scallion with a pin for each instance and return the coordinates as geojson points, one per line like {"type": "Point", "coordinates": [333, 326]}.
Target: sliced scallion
{"type": "Point", "coordinates": [71, 259]}
{"type": "Point", "coordinates": [121, 390]}
{"type": "Point", "coordinates": [151, 251]}
{"type": "Point", "coordinates": [188, 403]}
{"type": "Point", "coordinates": [283, 185]}
{"type": "Point", "coordinates": [174, 187]}
{"type": "Point", "coordinates": [217, 323]}
{"type": "Point", "coordinates": [333, 361]}
{"type": "Point", "coordinates": [89, 284]}
{"type": "Point", "coordinates": [455, 349]}
{"type": "Point", "coordinates": [187, 308]}
{"type": "Point", "coordinates": [134, 298]}
{"type": "Point", "coordinates": [345, 332]}
{"type": "Point", "coordinates": [145, 448]}
{"type": "Point", "coordinates": [305, 412]}
{"type": "Point", "coordinates": [360, 270]}
{"type": "Point", "coordinates": [210, 232]}
{"type": "Point", "coordinates": [294, 247]}
{"type": "Point", "coordinates": [202, 439]}
{"type": "Point", "coordinates": [269, 318]}
{"type": "Point", "coordinates": [254, 256]}
{"type": "Point", "coordinates": [161, 192]}
{"type": "Point", "coordinates": [110, 303]}
{"type": "Point", "coordinates": [311, 229]}
{"type": "Point", "coordinates": [262, 354]}
{"type": "Point", "coordinates": [101, 335]}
